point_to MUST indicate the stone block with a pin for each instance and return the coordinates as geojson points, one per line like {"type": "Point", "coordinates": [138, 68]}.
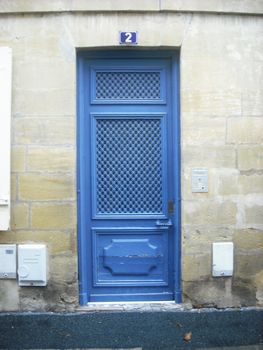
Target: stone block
{"type": "Point", "coordinates": [250, 184]}
{"type": "Point", "coordinates": [55, 159]}
{"type": "Point", "coordinates": [44, 72]}
{"type": "Point", "coordinates": [18, 159]}
{"type": "Point", "coordinates": [45, 102]}
{"type": "Point", "coordinates": [245, 130]}
{"type": "Point", "coordinates": [248, 265]}
{"type": "Point", "coordinates": [48, 131]}
{"type": "Point", "coordinates": [63, 268]}
{"type": "Point", "coordinates": [53, 216]}
{"type": "Point", "coordinates": [203, 131]}
{"type": "Point", "coordinates": [258, 282]}
{"type": "Point", "coordinates": [14, 187]}
{"type": "Point", "coordinates": [252, 101]}
{"type": "Point", "coordinates": [57, 241]}
{"type": "Point", "coordinates": [198, 239]}
{"type": "Point", "coordinates": [9, 297]}
{"type": "Point", "coordinates": [80, 5]}
{"type": "Point", "coordinates": [241, 6]}
{"type": "Point", "coordinates": [155, 31]}
{"type": "Point", "coordinates": [248, 239]}
{"type": "Point", "coordinates": [228, 182]}
{"type": "Point", "coordinates": [254, 214]}
{"type": "Point", "coordinates": [250, 158]}
{"type": "Point", "coordinates": [209, 157]}
{"type": "Point", "coordinates": [209, 212]}
{"type": "Point", "coordinates": [213, 104]}
{"type": "Point", "coordinates": [196, 267]}
{"type": "Point", "coordinates": [19, 216]}
{"type": "Point", "coordinates": [46, 187]}
{"type": "Point", "coordinates": [220, 292]}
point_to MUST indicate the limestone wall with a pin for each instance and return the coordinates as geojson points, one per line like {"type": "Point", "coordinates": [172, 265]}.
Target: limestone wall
{"type": "Point", "coordinates": [221, 129]}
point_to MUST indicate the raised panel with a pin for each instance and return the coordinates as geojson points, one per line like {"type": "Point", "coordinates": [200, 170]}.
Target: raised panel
{"type": "Point", "coordinates": [130, 257]}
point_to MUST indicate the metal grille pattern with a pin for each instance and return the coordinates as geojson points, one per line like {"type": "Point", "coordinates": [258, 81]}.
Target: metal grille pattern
{"type": "Point", "coordinates": [129, 166]}
{"type": "Point", "coordinates": [128, 85]}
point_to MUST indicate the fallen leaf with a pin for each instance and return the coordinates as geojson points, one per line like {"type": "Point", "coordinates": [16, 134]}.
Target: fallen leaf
{"type": "Point", "coordinates": [188, 336]}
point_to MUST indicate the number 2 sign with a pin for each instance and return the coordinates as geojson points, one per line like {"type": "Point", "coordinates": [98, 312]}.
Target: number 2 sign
{"type": "Point", "coordinates": [128, 38]}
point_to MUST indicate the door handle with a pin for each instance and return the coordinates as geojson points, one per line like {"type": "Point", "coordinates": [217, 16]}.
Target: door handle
{"type": "Point", "coordinates": [164, 224]}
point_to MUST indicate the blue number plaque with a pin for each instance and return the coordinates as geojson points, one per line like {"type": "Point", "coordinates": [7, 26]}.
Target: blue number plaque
{"type": "Point", "coordinates": [128, 38]}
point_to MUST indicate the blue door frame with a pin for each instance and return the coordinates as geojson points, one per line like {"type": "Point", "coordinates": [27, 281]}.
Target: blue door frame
{"type": "Point", "coordinates": [97, 229]}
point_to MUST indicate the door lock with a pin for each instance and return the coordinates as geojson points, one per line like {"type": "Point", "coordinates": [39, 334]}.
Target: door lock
{"type": "Point", "coordinates": [164, 223]}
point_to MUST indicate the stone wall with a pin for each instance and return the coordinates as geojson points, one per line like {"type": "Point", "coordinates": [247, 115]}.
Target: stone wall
{"type": "Point", "coordinates": [221, 129]}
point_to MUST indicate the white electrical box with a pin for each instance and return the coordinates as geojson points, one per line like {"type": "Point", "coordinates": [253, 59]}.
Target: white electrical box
{"type": "Point", "coordinates": [7, 261]}
{"type": "Point", "coordinates": [199, 180]}
{"type": "Point", "coordinates": [223, 259]}
{"type": "Point", "coordinates": [32, 265]}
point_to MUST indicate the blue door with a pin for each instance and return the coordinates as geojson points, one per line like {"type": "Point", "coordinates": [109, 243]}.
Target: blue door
{"type": "Point", "coordinates": [129, 214]}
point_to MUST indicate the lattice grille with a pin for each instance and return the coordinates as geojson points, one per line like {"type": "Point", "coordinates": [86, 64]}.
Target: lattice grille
{"type": "Point", "coordinates": [129, 166]}
{"type": "Point", "coordinates": [128, 85]}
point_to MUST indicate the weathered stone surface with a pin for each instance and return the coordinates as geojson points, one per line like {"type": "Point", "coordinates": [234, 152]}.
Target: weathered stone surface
{"type": "Point", "coordinates": [50, 159]}
{"type": "Point", "coordinates": [9, 298]}
{"type": "Point", "coordinates": [245, 130]}
{"type": "Point", "coordinates": [213, 6]}
{"type": "Point", "coordinates": [44, 102]}
{"type": "Point", "coordinates": [231, 182]}
{"type": "Point", "coordinates": [207, 212]}
{"type": "Point", "coordinates": [40, 131]}
{"type": "Point", "coordinates": [55, 73]}
{"type": "Point", "coordinates": [53, 216]}
{"type": "Point", "coordinates": [19, 216]}
{"type": "Point", "coordinates": [220, 292]}
{"type": "Point", "coordinates": [196, 267]}
{"type": "Point", "coordinates": [13, 187]}
{"type": "Point", "coordinates": [63, 268]}
{"type": "Point", "coordinates": [258, 282]}
{"type": "Point", "coordinates": [248, 265]}
{"type": "Point", "coordinates": [205, 131]}
{"type": "Point", "coordinates": [46, 187]}
{"type": "Point", "coordinates": [250, 184]}
{"type": "Point", "coordinates": [254, 214]}
{"type": "Point", "coordinates": [18, 159]}
{"type": "Point", "coordinates": [212, 157]}
{"type": "Point", "coordinates": [198, 239]}
{"type": "Point", "coordinates": [252, 101]}
{"type": "Point", "coordinates": [234, 6]}
{"type": "Point", "coordinates": [250, 158]}
{"type": "Point", "coordinates": [218, 104]}
{"type": "Point", "coordinates": [248, 239]}
{"type": "Point", "coordinates": [56, 241]}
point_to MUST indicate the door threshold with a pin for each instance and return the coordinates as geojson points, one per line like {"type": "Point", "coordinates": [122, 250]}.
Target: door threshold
{"type": "Point", "coordinates": [134, 306]}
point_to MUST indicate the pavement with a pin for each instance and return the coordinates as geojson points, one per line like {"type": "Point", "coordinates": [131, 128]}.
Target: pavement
{"type": "Point", "coordinates": [134, 329]}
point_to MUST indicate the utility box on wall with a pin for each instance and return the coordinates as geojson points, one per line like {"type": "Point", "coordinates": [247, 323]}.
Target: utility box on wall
{"type": "Point", "coordinates": [32, 265]}
{"type": "Point", "coordinates": [7, 261]}
{"type": "Point", "coordinates": [223, 256]}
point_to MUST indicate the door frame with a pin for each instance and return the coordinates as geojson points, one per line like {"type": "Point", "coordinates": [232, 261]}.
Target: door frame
{"type": "Point", "coordinates": [84, 156]}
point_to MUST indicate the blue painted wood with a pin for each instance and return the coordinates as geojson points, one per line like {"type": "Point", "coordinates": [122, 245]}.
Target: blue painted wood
{"type": "Point", "coordinates": [128, 170]}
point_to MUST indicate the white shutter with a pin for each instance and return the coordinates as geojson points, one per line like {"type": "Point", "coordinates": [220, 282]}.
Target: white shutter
{"type": "Point", "coordinates": [5, 121]}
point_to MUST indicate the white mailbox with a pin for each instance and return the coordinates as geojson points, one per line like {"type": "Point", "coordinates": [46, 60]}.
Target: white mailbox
{"type": "Point", "coordinates": [7, 261]}
{"type": "Point", "coordinates": [32, 265]}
